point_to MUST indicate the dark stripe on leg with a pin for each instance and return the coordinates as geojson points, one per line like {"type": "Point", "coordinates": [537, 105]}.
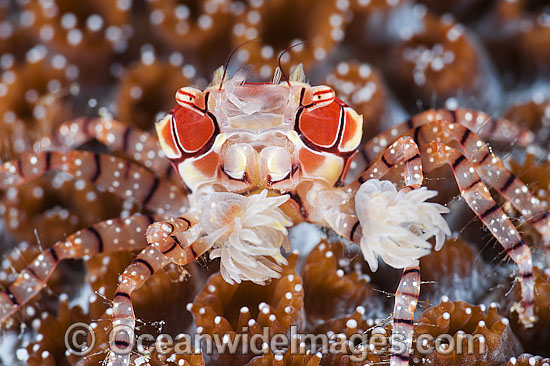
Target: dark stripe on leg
{"type": "Point", "coordinates": [413, 158]}
{"type": "Point", "coordinates": [171, 248]}
{"type": "Point", "coordinates": [151, 191]}
{"type": "Point", "coordinates": [540, 217]}
{"type": "Point", "coordinates": [122, 294]}
{"type": "Point", "coordinates": [490, 210]}
{"type": "Point", "coordinates": [458, 161]}
{"type": "Point", "coordinates": [484, 158]}
{"type": "Point", "coordinates": [519, 244]}
{"type": "Point", "coordinates": [473, 184]}
{"type": "Point", "coordinates": [509, 181]}
{"type": "Point", "coordinates": [98, 237]}
{"type": "Point", "coordinates": [465, 136]}
{"type": "Point", "coordinates": [410, 270]}
{"type": "Point", "coordinates": [353, 229]}
{"type": "Point", "coordinates": [145, 263]}
{"type": "Point", "coordinates": [403, 321]}
{"type": "Point", "coordinates": [97, 160]}
{"type": "Point", "coordinates": [125, 137]}
{"type": "Point", "coordinates": [48, 160]}
{"type": "Point", "coordinates": [11, 297]}
{"type": "Point", "coordinates": [54, 254]}
{"type": "Point", "coordinates": [388, 165]}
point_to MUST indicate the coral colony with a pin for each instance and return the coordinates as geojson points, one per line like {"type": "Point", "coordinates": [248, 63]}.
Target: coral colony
{"type": "Point", "coordinates": [359, 183]}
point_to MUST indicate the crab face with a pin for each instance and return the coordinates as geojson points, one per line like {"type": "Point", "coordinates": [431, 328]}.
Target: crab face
{"type": "Point", "coordinates": [251, 136]}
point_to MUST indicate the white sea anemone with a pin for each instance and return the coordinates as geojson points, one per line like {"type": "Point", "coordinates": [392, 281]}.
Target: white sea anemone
{"type": "Point", "coordinates": [247, 233]}
{"type": "Point", "coordinates": [397, 225]}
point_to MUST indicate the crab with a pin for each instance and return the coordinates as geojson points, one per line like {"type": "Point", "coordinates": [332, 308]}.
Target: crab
{"type": "Point", "coordinates": [254, 159]}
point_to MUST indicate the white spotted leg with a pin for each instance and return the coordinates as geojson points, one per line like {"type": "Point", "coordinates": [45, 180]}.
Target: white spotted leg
{"type": "Point", "coordinates": [403, 150]}
{"type": "Point", "coordinates": [492, 171]}
{"type": "Point", "coordinates": [494, 129]}
{"type": "Point", "coordinates": [406, 299]}
{"type": "Point", "coordinates": [477, 196]}
{"type": "Point", "coordinates": [131, 142]}
{"type": "Point", "coordinates": [117, 175]}
{"type": "Point", "coordinates": [176, 240]}
{"type": "Point", "coordinates": [108, 236]}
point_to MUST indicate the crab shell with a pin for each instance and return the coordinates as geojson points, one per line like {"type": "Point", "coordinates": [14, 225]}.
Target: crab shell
{"type": "Point", "coordinates": [248, 136]}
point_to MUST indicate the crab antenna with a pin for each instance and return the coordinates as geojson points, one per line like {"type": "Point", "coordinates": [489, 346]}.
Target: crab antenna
{"type": "Point", "coordinates": [229, 59]}
{"type": "Point", "coordinates": [281, 55]}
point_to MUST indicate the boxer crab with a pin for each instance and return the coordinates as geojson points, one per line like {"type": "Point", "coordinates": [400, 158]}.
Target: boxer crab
{"type": "Point", "coordinates": [256, 159]}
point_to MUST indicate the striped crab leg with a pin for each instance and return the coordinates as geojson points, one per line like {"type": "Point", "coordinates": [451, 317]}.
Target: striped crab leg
{"type": "Point", "coordinates": [488, 128]}
{"type": "Point", "coordinates": [119, 176]}
{"type": "Point", "coordinates": [175, 240]}
{"type": "Point", "coordinates": [141, 146]}
{"type": "Point", "coordinates": [403, 150]}
{"type": "Point", "coordinates": [406, 299]}
{"type": "Point", "coordinates": [477, 196]}
{"type": "Point", "coordinates": [104, 237]}
{"type": "Point", "coordinates": [492, 170]}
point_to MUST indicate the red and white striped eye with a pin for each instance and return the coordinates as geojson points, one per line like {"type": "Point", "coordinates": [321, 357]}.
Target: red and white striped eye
{"type": "Point", "coordinates": [322, 96]}
{"type": "Point", "coordinates": [187, 96]}
{"type": "Point", "coordinates": [188, 129]}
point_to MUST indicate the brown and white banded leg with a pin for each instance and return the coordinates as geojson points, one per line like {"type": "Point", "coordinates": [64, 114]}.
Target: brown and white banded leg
{"type": "Point", "coordinates": [132, 142]}
{"type": "Point", "coordinates": [492, 171]}
{"type": "Point", "coordinates": [498, 130]}
{"type": "Point", "coordinates": [117, 175]}
{"type": "Point", "coordinates": [104, 237]}
{"type": "Point", "coordinates": [403, 150]}
{"type": "Point", "coordinates": [176, 240]}
{"type": "Point", "coordinates": [406, 299]}
{"type": "Point", "coordinates": [477, 196]}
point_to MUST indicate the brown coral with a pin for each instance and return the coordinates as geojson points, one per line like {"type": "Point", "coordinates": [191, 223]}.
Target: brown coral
{"type": "Point", "coordinates": [200, 29]}
{"type": "Point", "coordinates": [87, 33]}
{"type": "Point", "coordinates": [52, 207]}
{"type": "Point", "coordinates": [467, 334]}
{"type": "Point", "coordinates": [280, 24]}
{"type": "Point", "coordinates": [527, 359]}
{"type": "Point", "coordinates": [224, 310]}
{"type": "Point", "coordinates": [334, 287]}
{"type": "Point", "coordinates": [455, 271]}
{"type": "Point", "coordinates": [519, 36]}
{"type": "Point", "coordinates": [33, 99]}
{"type": "Point", "coordinates": [436, 63]}
{"type": "Point", "coordinates": [147, 91]}
{"type": "Point", "coordinates": [533, 114]}
{"type": "Point", "coordinates": [362, 87]}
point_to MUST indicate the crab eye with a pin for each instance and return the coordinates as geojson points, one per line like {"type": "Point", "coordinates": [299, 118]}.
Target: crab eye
{"type": "Point", "coordinates": [322, 95]}
{"type": "Point", "coordinates": [187, 96]}
{"type": "Point", "coordinates": [188, 129]}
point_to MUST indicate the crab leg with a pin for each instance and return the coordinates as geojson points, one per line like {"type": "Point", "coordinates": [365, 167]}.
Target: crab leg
{"type": "Point", "coordinates": [492, 170]}
{"type": "Point", "coordinates": [403, 150]}
{"type": "Point", "coordinates": [119, 176]}
{"type": "Point", "coordinates": [107, 236]}
{"type": "Point", "coordinates": [176, 241]}
{"type": "Point", "coordinates": [406, 299]}
{"type": "Point", "coordinates": [488, 128]}
{"type": "Point", "coordinates": [477, 196]}
{"type": "Point", "coordinates": [141, 146]}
